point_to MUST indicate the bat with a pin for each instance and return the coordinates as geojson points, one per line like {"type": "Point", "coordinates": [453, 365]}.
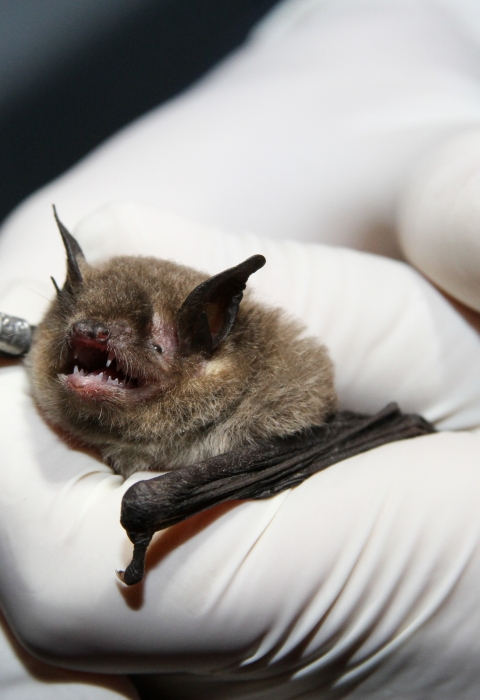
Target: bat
{"type": "Point", "coordinates": [159, 366]}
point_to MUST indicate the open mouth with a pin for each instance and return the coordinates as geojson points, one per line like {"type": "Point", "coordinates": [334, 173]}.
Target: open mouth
{"type": "Point", "coordinates": [94, 368]}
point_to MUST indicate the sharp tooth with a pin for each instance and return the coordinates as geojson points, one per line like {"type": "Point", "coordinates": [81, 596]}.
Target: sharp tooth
{"type": "Point", "coordinates": [100, 377]}
{"type": "Point", "coordinates": [111, 357]}
{"type": "Point", "coordinates": [76, 370]}
{"type": "Point", "coordinates": [115, 381]}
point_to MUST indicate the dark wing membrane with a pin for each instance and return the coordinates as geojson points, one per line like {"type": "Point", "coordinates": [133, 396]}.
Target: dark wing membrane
{"type": "Point", "coordinates": [255, 472]}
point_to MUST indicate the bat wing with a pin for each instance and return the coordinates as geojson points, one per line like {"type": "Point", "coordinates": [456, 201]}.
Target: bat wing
{"type": "Point", "coordinates": [255, 472]}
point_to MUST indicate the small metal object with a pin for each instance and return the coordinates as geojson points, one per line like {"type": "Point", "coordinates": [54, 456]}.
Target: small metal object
{"type": "Point", "coordinates": [15, 335]}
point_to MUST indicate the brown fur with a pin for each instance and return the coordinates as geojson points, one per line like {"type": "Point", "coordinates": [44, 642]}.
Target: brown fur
{"type": "Point", "coordinates": [264, 379]}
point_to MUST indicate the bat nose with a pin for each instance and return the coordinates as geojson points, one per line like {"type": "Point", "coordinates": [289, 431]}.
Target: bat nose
{"type": "Point", "coordinates": [100, 331]}
{"type": "Point", "coordinates": [92, 330]}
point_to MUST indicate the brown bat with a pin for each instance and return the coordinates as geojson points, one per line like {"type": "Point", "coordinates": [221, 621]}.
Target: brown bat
{"type": "Point", "coordinates": [161, 367]}
{"type": "Point", "coordinates": [158, 366]}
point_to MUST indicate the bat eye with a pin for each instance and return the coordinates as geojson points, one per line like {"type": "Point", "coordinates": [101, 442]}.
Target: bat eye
{"type": "Point", "coordinates": [158, 349]}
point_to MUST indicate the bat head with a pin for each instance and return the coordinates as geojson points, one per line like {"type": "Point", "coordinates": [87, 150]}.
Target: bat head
{"type": "Point", "coordinates": [137, 337]}
{"type": "Point", "coordinates": [128, 334]}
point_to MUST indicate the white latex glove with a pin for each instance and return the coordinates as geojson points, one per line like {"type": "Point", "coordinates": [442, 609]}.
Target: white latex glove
{"type": "Point", "coordinates": [311, 131]}
{"type": "Point", "coordinates": [363, 579]}
{"type": "Point", "coordinates": [439, 220]}
{"type": "Point", "coordinates": [24, 678]}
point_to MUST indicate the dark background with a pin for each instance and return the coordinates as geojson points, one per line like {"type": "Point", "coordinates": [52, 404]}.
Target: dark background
{"type": "Point", "coordinates": [72, 72]}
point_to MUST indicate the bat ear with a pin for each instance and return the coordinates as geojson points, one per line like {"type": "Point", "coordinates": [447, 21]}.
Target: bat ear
{"type": "Point", "coordinates": [207, 315]}
{"type": "Point", "coordinates": [74, 278]}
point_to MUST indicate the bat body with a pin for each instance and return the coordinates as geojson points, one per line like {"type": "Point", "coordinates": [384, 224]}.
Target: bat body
{"type": "Point", "coordinates": [159, 367]}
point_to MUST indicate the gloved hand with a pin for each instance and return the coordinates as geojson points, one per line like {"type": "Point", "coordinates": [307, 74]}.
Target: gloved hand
{"type": "Point", "coordinates": [363, 580]}
{"type": "Point", "coordinates": [24, 678]}
{"type": "Point", "coordinates": [363, 577]}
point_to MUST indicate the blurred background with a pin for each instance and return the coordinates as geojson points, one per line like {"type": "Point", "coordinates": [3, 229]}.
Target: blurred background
{"type": "Point", "coordinates": [72, 72]}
